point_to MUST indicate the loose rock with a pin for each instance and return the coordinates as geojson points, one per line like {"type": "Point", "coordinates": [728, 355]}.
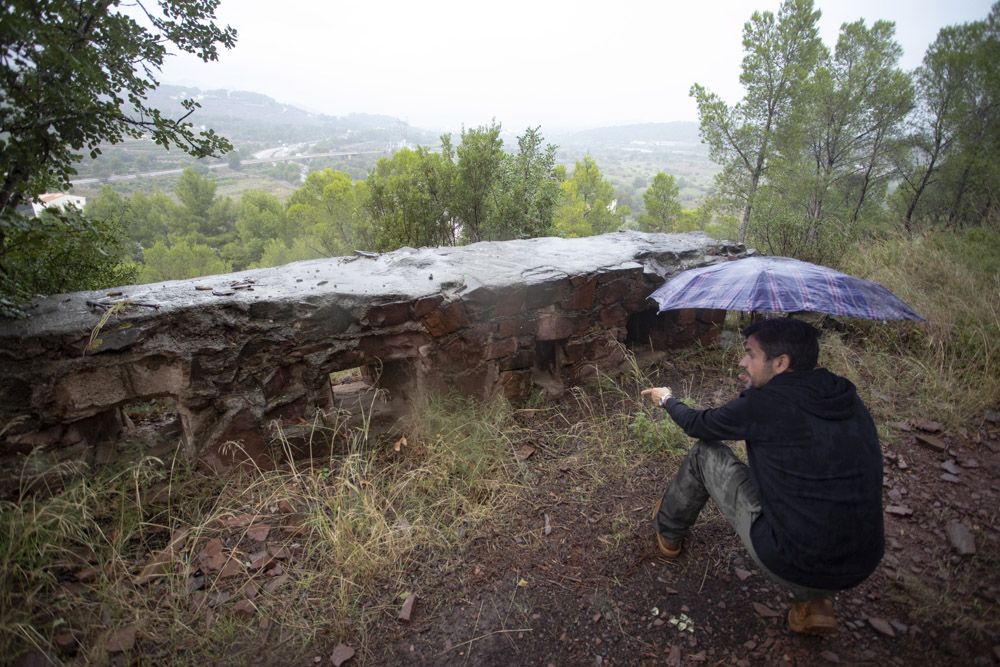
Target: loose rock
{"type": "Point", "coordinates": [341, 654]}
{"type": "Point", "coordinates": [930, 442]}
{"type": "Point", "coordinates": [882, 626]}
{"type": "Point", "coordinates": [764, 611]}
{"type": "Point", "coordinates": [120, 640]}
{"type": "Point", "coordinates": [407, 609]}
{"type": "Point", "coordinates": [961, 538]}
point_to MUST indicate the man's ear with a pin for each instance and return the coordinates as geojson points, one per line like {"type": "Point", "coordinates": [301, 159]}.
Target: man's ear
{"type": "Point", "coordinates": [781, 363]}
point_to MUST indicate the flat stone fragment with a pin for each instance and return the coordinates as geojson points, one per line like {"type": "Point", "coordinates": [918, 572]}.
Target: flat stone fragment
{"type": "Point", "coordinates": [961, 538]}
{"type": "Point", "coordinates": [950, 467]}
{"type": "Point", "coordinates": [407, 609]}
{"type": "Point", "coordinates": [927, 425]}
{"type": "Point", "coordinates": [764, 611]}
{"type": "Point", "coordinates": [341, 654]}
{"type": "Point", "coordinates": [245, 608]}
{"type": "Point", "coordinates": [930, 442]}
{"type": "Point", "coordinates": [159, 563]}
{"type": "Point", "coordinates": [881, 626]}
{"type": "Point", "coordinates": [120, 640]}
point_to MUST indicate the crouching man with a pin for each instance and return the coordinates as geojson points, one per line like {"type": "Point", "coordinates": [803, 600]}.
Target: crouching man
{"type": "Point", "coordinates": [808, 507]}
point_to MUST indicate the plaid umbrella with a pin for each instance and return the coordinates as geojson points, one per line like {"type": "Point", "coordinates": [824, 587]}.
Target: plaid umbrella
{"type": "Point", "coordinates": [780, 285]}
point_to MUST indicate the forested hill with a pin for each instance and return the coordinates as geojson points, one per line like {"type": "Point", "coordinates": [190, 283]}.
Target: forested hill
{"type": "Point", "coordinates": [248, 116]}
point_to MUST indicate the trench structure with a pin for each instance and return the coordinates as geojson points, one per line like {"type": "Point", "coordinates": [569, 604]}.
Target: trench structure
{"type": "Point", "coordinates": [236, 356]}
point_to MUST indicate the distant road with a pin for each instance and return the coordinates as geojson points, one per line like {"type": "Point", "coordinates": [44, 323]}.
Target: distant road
{"type": "Point", "coordinates": [223, 165]}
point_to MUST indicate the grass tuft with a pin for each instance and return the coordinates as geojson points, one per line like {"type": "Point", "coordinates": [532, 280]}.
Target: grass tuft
{"type": "Point", "coordinates": [949, 368]}
{"type": "Point", "coordinates": [346, 528]}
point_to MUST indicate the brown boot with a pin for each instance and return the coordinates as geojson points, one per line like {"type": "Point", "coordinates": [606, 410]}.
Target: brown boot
{"type": "Point", "coordinates": [814, 617]}
{"type": "Point", "coordinates": [667, 547]}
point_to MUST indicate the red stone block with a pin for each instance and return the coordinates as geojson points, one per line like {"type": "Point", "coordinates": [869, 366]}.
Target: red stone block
{"type": "Point", "coordinates": [425, 305]}
{"type": "Point", "coordinates": [509, 303]}
{"type": "Point", "coordinates": [516, 327]}
{"type": "Point", "coordinates": [515, 385]}
{"type": "Point", "coordinates": [503, 347]}
{"type": "Point", "coordinates": [446, 319]}
{"type": "Point", "coordinates": [557, 326]}
{"type": "Point", "coordinates": [612, 292]}
{"type": "Point", "coordinates": [583, 294]}
{"type": "Point", "coordinates": [396, 346]}
{"type": "Point", "coordinates": [387, 314]}
{"type": "Point", "coordinates": [613, 316]}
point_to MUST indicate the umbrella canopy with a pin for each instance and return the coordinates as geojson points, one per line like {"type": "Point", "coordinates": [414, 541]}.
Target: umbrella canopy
{"type": "Point", "coordinates": [780, 285]}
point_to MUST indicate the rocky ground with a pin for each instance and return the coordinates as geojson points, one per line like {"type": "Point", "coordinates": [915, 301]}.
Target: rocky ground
{"type": "Point", "coordinates": [568, 572]}
{"type": "Point", "coordinates": [573, 578]}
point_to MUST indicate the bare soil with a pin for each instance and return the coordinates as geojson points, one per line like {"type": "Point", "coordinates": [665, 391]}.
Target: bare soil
{"type": "Point", "coordinates": [568, 573]}
{"type": "Point", "coordinates": [573, 577]}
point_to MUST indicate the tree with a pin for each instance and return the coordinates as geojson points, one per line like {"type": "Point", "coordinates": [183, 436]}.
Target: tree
{"type": "Point", "coordinates": [884, 95]}
{"type": "Point", "coordinates": [476, 189]}
{"type": "Point", "coordinates": [108, 205]}
{"type": "Point", "coordinates": [196, 193]}
{"type": "Point", "coordinates": [75, 74]}
{"type": "Point", "coordinates": [587, 205]}
{"type": "Point", "coordinates": [181, 259]}
{"type": "Point", "coordinates": [62, 252]}
{"type": "Point", "coordinates": [153, 217]}
{"type": "Point", "coordinates": [833, 148]}
{"type": "Point", "coordinates": [331, 210]}
{"type": "Point", "coordinates": [261, 218]}
{"type": "Point", "coordinates": [234, 159]}
{"type": "Point", "coordinates": [852, 108]}
{"type": "Point", "coordinates": [779, 55]}
{"type": "Point", "coordinates": [277, 253]}
{"type": "Point", "coordinates": [949, 168]}
{"type": "Point", "coordinates": [662, 208]}
{"type": "Point", "coordinates": [409, 199]}
{"type": "Point", "coordinates": [529, 190]}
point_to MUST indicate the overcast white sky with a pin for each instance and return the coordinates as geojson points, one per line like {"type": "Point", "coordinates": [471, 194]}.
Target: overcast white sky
{"type": "Point", "coordinates": [439, 64]}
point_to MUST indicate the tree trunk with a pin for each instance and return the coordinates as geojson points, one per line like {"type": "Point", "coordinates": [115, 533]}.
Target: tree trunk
{"type": "Point", "coordinates": [917, 193]}
{"type": "Point", "coordinates": [745, 221]}
{"type": "Point", "coordinates": [963, 186]}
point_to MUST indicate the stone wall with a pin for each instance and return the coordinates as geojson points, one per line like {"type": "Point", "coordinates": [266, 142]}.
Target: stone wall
{"type": "Point", "coordinates": [237, 353]}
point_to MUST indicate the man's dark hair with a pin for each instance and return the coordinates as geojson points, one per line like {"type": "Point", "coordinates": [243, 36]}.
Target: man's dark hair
{"type": "Point", "coordinates": [797, 339]}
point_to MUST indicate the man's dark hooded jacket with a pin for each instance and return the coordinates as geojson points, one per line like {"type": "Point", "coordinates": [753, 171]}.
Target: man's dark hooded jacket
{"type": "Point", "coordinates": [815, 457]}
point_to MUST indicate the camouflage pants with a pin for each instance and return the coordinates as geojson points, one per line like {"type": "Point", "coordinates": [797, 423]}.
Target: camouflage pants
{"type": "Point", "coordinates": [711, 470]}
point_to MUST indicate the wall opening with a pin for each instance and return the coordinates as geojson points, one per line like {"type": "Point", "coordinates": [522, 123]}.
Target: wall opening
{"type": "Point", "coordinates": [154, 423]}
{"type": "Point", "coordinates": [648, 330]}
{"type": "Point", "coordinates": [367, 400]}
{"type": "Point", "coordinates": [546, 374]}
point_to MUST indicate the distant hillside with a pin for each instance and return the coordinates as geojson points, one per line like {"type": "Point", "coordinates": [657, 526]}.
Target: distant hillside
{"type": "Point", "coordinates": [277, 144]}
{"type": "Point", "coordinates": [246, 116]}
{"type": "Point", "coordinates": [682, 132]}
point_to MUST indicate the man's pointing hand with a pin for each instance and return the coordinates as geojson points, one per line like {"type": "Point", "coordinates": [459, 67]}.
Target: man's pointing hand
{"type": "Point", "coordinates": [657, 394]}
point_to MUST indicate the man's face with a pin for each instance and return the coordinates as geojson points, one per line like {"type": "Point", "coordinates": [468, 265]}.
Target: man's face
{"type": "Point", "coordinates": [759, 369]}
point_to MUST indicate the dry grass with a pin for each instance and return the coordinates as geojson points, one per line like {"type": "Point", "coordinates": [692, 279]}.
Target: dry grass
{"type": "Point", "coordinates": [349, 526]}
{"type": "Point", "coordinates": [948, 368]}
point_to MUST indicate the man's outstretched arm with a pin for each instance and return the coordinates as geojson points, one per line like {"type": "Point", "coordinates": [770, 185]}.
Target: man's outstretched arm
{"type": "Point", "coordinates": [728, 422]}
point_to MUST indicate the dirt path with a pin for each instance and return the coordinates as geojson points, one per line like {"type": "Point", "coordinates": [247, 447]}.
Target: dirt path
{"type": "Point", "coordinates": [572, 577]}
